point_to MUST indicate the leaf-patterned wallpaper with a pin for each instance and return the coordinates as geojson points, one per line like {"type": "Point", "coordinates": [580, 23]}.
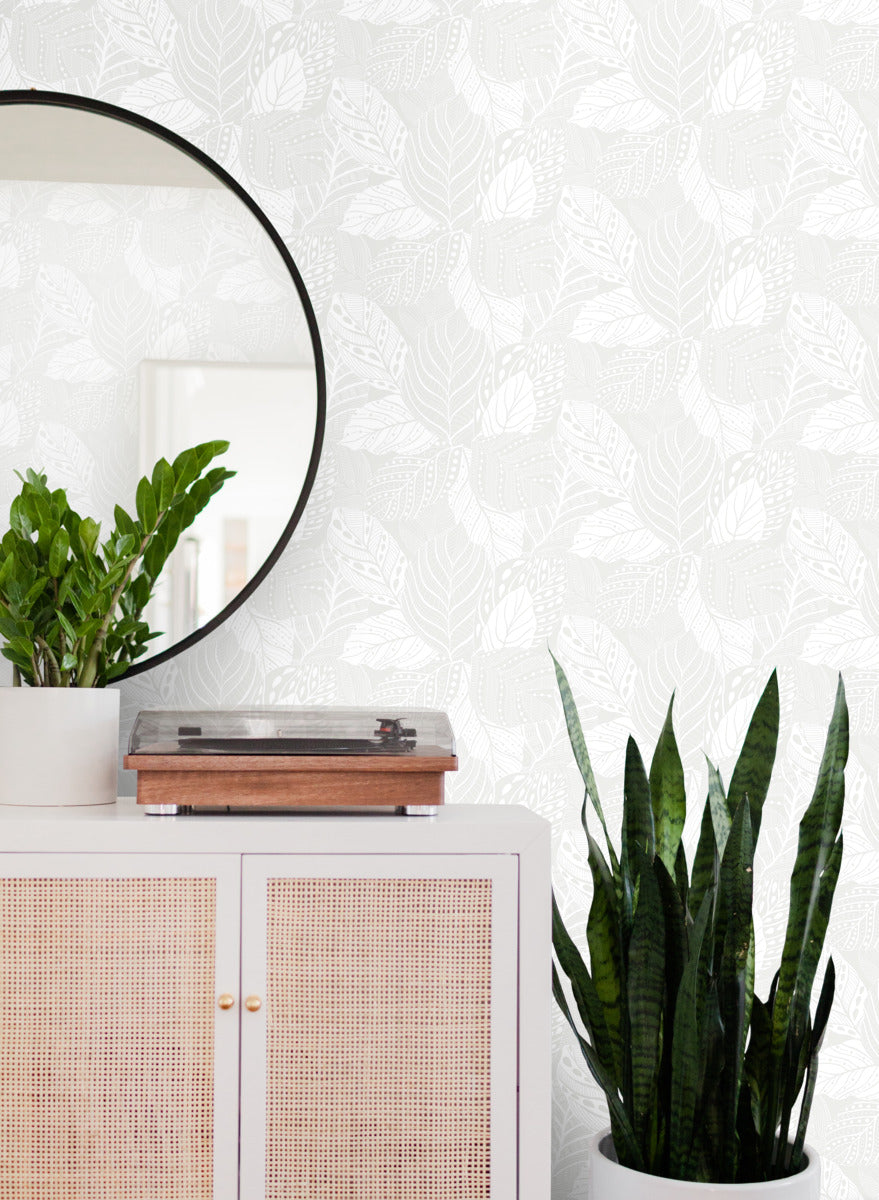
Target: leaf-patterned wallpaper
{"type": "Point", "coordinates": [598, 284]}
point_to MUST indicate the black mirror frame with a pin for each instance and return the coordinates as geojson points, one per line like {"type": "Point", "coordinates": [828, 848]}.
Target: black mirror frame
{"type": "Point", "coordinates": [100, 108]}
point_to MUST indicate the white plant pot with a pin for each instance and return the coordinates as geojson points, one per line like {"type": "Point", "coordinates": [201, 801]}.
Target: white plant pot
{"type": "Point", "coordinates": [58, 746]}
{"type": "Point", "coordinates": [610, 1181]}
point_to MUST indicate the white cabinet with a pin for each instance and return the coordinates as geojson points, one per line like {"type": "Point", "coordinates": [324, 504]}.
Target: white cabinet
{"type": "Point", "coordinates": [274, 1008]}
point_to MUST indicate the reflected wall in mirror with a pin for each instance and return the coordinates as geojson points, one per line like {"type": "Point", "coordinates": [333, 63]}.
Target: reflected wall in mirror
{"type": "Point", "coordinates": [142, 296]}
{"type": "Point", "coordinates": [184, 403]}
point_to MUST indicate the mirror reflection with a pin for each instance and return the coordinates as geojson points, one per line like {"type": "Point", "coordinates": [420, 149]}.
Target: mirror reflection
{"type": "Point", "coordinates": [143, 308]}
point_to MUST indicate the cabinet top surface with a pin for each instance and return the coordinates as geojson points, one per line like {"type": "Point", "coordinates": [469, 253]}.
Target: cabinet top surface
{"type": "Point", "coordinates": [124, 825]}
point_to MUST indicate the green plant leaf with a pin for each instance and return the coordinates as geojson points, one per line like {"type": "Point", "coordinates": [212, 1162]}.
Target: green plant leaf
{"type": "Point", "coordinates": [206, 451]}
{"type": "Point", "coordinates": [813, 880]}
{"type": "Point", "coordinates": [588, 1003]}
{"type": "Point", "coordinates": [705, 1161]}
{"type": "Point", "coordinates": [23, 648]}
{"type": "Point", "coordinates": [147, 511]}
{"type": "Point", "coordinates": [637, 829]}
{"type": "Point", "coordinates": [581, 754]}
{"type": "Point", "coordinates": [140, 592]}
{"type": "Point", "coordinates": [185, 467]}
{"type": "Point", "coordinates": [721, 812]}
{"type": "Point", "coordinates": [822, 1013]}
{"type": "Point", "coordinates": [33, 593]}
{"type": "Point", "coordinates": [163, 483]}
{"type": "Point", "coordinates": [124, 546]}
{"type": "Point", "coordinates": [22, 662]}
{"type": "Point", "coordinates": [114, 670]}
{"type": "Point", "coordinates": [155, 554]}
{"type": "Point", "coordinates": [69, 631]}
{"type": "Point", "coordinates": [758, 1063]}
{"type": "Point", "coordinates": [794, 1058]}
{"type": "Point", "coordinates": [646, 992]}
{"type": "Point", "coordinates": [706, 864]}
{"type": "Point", "coordinates": [676, 951]}
{"type": "Point", "coordinates": [9, 627]}
{"type": "Point", "coordinates": [685, 1054]}
{"type": "Point", "coordinates": [58, 552]}
{"type": "Point", "coordinates": [667, 794]}
{"type": "Point", "coordinates": [124, 523]}
{"type": "Point", "coordinates": [603, 935]}
{"type": "Point", "coordinates": [19, 517]}
{"type": "Point", "coordinates": [754, 766]}
{"type": "Point", "coordinates": [200, 493]}
{"type": "Point", "coordinates": [681, 878]}
{"type": "Point", "coordinates": [171, 527]}
{"type": "Point", "coordinates": [625, 1142]}
{"type": "Point", "coordinates": [46, 531]}
{"type": "Point", "coordinates": [676, 940]}
{"type": "Point", "coordinates": [733, 931]}
{"type": "Point", "coordinates": [216, 477]}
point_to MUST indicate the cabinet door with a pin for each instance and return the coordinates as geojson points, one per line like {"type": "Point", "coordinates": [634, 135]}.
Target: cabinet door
{"type": "Point", "coordinates": [118, 1071]}
{"type": "Point", "coordinates": [381, 1062]}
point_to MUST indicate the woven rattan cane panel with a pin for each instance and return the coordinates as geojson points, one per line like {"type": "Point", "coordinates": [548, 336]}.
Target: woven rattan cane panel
{"type": "Point", "coordinates": [378, 1039]}
{"type": "Point", "coordinates": [106, 1039]}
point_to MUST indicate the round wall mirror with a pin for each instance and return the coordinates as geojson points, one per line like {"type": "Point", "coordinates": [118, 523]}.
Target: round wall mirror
{"type": "Point", "coordinates": [148, 305]}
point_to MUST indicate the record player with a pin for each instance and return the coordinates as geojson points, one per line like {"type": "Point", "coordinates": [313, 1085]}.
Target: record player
{"type": "Point", "coordinates": [290, 758]}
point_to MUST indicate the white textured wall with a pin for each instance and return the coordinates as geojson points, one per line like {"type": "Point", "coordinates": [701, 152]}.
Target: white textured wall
{"type": "Point", "coordinates": [599, 291]}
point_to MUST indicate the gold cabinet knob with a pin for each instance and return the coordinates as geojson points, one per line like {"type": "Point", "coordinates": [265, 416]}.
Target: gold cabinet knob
{"type": "Point", "coordinates": [226, 1000]}
{"type": "Point", "coordinates": [253, 1004]}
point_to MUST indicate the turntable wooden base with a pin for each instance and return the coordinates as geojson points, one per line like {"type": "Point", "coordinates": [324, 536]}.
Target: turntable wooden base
{"type": "Point", "coordinates": [288, 781]}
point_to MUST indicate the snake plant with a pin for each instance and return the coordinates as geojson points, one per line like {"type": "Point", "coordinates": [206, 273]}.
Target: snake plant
{"type": "Point", "coordinates": [702, 1078]}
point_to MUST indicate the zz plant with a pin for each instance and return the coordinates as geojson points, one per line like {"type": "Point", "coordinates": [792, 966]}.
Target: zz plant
{"type": "Point", "coordinates": [71, 605]}
{"type": "Point", "coordinates": [702, 1077]}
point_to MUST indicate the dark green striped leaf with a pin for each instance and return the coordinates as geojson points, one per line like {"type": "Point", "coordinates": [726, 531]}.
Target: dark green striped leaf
{"type": "Point", "coordinates": [817, 852]}
{"type": "Point", "coordinates": [625, 1142]}
{"type": "Point", "coordinates": [733, 932]}
{"type": "Point", "coordinates": [681, 878]}
{"type": "Point", "coordinates": [822, 1012]}
{"type": "Point", "coordinates": [587, 1000]}
{"type": "Point", "coordinates": [685, 1055]}
{"type": "Point", "coordinates": [667, 794]}
{"type": "Point", "coordinates": [581, 754]}
{"type": "Point", "coordinates": [825, 1000]}
{"type": "Point", "coordinates": [646, 991]}
{"type": "Point", "coordinates": [637, 832]}
{"type": "Point", "coordinates": [606, 956]}
{"type": "Point", "coordinates": [675, 933]}
{"type": "Point", "coordinates": [754, 767]}
{"type": "Point", "coordinates": [721, 811]}
{"type": "Point", "coordinates": [758, 1063]}
{"type": "Point", "coordinates": [705, 1160]}
{"type": "Point", "coordinates": [706, 864]}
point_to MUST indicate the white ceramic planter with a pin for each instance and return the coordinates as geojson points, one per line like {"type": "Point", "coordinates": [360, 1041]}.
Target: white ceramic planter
{"type": "Point", "coordinates": [610, 1181]}
{"type": "Point", "coordinates": [58, 746]}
